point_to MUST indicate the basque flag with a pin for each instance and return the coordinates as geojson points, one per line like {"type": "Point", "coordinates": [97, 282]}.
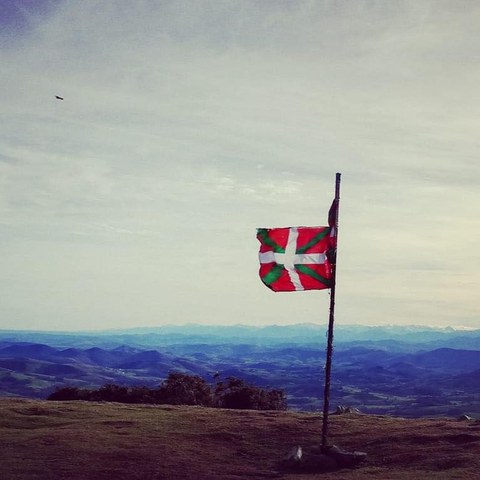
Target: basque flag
{"type": "Point", "coordinates": [296, 258]}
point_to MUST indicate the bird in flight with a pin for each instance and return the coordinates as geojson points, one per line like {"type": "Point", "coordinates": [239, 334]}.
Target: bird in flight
{"type": "Point", "coordinates": [58, 98]}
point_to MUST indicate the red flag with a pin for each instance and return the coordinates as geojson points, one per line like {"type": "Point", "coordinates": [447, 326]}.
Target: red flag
{"type": "Point", "coordinates": [296, 258]}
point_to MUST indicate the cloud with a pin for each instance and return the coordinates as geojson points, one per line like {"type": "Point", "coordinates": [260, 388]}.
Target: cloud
{"type": "Point", "coordinates": [186, 125]}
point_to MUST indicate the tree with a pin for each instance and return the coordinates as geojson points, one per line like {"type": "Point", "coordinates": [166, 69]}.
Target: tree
{"type": "Point", "coordinates": [111, 393]}
{"type": "Point", "coordinates": [236, 393]}
{"type": "Point", "coordinates": [69, 393]}
{"type": "Point", "coordinates": [141, 394]}
{"type": "Point", "coordinates": [182, 389]}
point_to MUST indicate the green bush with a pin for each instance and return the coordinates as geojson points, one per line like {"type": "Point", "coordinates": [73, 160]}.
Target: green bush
{"type": "Point", "coordinates": [70, 393]}
{"type": "Point", "coordinates": [183, 389]}
{"type": "Point", "coordinates": [236, 393]}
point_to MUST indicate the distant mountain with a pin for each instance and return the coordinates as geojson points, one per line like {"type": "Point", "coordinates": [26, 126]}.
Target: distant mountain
{"type": "Point", "coordinates": [146, 360]}
{"type": "Point", "coordinates": [407, 371]}
{"type": "Point", "coordinates": [29, 350]}
{"type": "Point", "coordinates": [447, 359]}
{"type": "Point", "coordinates": [364, 356]}
{"type": "Point", "coordinates": [400, 338]}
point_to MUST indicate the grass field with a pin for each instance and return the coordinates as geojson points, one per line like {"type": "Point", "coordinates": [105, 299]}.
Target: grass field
{"type": "Point", "coordinates": [80, 440]}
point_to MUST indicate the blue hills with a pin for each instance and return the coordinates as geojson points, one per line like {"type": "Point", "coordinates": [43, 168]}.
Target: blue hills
{"type": "Point", "coordinates": [408, 371]}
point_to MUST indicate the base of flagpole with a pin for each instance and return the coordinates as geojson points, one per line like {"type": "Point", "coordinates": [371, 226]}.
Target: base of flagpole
{"type": "Point", "coordinates": [321, 459]}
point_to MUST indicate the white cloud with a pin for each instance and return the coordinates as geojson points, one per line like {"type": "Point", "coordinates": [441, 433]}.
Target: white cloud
{"type": "Point", "coordinates": [186, 125]}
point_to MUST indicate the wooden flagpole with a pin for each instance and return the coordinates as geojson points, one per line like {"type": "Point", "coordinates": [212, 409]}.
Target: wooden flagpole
{"type": "Point", "coordinates": [328, 364]}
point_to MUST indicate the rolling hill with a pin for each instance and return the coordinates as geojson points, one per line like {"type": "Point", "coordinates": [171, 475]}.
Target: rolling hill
{"type": "Point", "coordinates": [406, 371]}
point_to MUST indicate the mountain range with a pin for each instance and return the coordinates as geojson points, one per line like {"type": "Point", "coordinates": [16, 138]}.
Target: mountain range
{"type": "Point", "coordinates": [408, 371]}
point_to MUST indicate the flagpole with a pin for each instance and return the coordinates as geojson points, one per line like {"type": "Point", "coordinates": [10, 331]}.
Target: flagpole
{"type": "Point", "coordinates": [328, 364]}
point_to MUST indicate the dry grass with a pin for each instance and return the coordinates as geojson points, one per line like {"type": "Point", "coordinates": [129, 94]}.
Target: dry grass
{"type": "Point", "coordinates": [81, 440]}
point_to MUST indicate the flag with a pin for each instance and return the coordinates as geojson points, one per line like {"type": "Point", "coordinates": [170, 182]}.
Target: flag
{"type": "Point", "coordinates": [296, 258]}
{"type": "Point", "coordinates": [333, 213]}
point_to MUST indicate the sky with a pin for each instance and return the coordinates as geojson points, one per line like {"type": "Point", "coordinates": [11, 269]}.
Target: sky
{"type": "Point", "coordinates": [186, 125]}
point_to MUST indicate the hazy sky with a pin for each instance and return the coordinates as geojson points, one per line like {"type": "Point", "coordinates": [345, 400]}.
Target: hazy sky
{"type": "Point", "coordinates": [186, 125]}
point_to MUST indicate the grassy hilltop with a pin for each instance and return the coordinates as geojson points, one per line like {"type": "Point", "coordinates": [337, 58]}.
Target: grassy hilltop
{"type": "Point", "coordinates": [84, 440]}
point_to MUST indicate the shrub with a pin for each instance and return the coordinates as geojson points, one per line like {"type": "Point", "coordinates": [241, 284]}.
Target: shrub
{"type": "Point", "coordinates": [110, 393]}
{"type": "Point", "coordinates": [236, 393]}
{"type": "Point", "coordinates": [183, 389]}
{"type": "Point", "coordinates": [69, 393]}
{"type": "Point", "coordinates": [141, 395]}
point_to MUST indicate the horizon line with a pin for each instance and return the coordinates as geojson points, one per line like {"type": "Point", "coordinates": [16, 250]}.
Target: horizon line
{"type": "Point", "coordinates": [239, 325]}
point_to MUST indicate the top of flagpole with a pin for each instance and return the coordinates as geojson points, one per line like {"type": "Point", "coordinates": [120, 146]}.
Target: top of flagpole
{"type": "Point", "coordinates": [333, 212]}
{"type": "Point", "coordinates": [337, 185]}
{"type": "Point", "coordinates": [336, 202]}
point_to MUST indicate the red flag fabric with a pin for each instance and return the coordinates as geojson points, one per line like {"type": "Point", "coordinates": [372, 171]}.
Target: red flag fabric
{"type": "Point", "coordinates": [296, 258]}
